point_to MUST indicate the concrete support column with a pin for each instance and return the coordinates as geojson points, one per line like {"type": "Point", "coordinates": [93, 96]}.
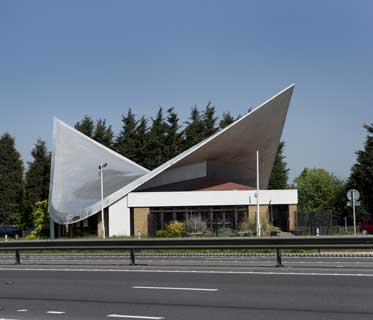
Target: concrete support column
{"type": "Point", "coordinates": [292, 216]}
{"type": "Point", "coordinates": [51, 228]}
{"type": "Point", "coordinates": [140, 220]}
{"type": "Point", "coordinates": [264, 212]}
{"type": "Point", "coordinates": [99, 226]}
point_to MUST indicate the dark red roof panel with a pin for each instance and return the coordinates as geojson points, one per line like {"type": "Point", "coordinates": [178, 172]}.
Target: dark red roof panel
{"type": "Point", "coordinates": [228, 186]}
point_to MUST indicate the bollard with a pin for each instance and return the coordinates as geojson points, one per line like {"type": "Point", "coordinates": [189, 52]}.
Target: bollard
{"type": "Point", "coordinates": [18, 257]}
{"type": "Point", "coordinates": [317, 235]}
{"type": "Point", "coordinates": [132, 255]}
{"type": "Point", "coordinates": [279, 258]}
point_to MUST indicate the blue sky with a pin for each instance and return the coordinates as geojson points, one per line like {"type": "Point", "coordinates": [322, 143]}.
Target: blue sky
{"type": "Point", "coordinates": [71, 58]}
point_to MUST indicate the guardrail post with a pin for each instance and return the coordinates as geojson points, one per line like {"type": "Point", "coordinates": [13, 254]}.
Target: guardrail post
{"type": "Point", "coordinates": [18, 257]}
{"type": "Point", "coordinates": [132, 255]}
{"type": "Point", "coordinates": [279, 258]}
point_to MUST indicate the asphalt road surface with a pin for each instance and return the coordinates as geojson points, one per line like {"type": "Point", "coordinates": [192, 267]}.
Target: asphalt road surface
{"type": "Point", "coordinates": [90, 287]}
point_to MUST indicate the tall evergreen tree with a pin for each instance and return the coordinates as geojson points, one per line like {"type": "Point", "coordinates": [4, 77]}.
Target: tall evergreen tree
{"type": "Point", "coordinates": [194, 130]}
{"type": "Point", "coordinates": [37, 180]}
{"type": "Point", "coordinates": [209, 119]}
{"type": "Point", "coordinates": [141, 142]}
{"type": "Point", "coordinates": [279, 175]}
{"type": "Point", "coordinates": [125, 143]}
{"type": "Point", "coordinates": [11, 180]}
{"type": "Point", "coordinates": [173, 136]}
{"type": "Point", "coordinates": [226, 120]}
{"type": "Point", "coordinates": [86, 126]}
{"type": "Point", "coordinates": [362, 172]}
{"type": "Point", "coordinates": [103, 133]}
{"type": "Point", "coordinates": [156, 144]}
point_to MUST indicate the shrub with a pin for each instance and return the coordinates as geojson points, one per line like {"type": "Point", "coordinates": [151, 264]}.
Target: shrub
{"type": "Point", "coordinates": [226, 232]}
{"type": "Point", "coordinates": [175, 229]}
{"type": "Point", "coordinates": [41, 220]}
{"type": "Point", "coordinates": [195, 224]}
{"type": "Point", "coordinates": [267, 228]}
{"type": "Point", "coordinates": [249, 225]}
{"type": "Point", "coordinates": [162, 234]}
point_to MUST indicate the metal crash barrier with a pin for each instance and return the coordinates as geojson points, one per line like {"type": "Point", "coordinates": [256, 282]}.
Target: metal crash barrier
{"type": "Point", "coordinates": [133, 245]}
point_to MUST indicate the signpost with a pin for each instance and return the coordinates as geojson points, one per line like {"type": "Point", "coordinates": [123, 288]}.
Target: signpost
{"type": "Point", "coordinates": [353, 196]}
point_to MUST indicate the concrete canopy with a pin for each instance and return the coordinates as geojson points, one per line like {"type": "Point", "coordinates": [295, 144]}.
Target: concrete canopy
{"type": "Point", "coordinates": [75, 191]}
{"type": "Point", "coordinates": [227, 156]}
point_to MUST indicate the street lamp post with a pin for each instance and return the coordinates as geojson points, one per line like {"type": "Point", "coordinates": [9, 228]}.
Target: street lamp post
{"type": "Point", "coordinates": [101, 170]}
{"type": "Point", "coordinates": [258, 226]}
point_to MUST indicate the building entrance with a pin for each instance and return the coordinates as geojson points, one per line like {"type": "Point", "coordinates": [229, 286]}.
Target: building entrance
{"type": "Point", "coordinates": [280, 217]}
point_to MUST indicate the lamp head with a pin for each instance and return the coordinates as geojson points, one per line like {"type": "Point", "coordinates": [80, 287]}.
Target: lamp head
{"type": "Point", "coordinates": [101, 166]}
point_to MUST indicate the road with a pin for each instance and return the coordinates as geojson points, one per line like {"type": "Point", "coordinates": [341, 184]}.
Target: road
{"type": "Point", "coordinates": [89, 287]}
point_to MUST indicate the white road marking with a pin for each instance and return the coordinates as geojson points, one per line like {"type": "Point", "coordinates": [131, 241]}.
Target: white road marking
{"type": "Point", "coordinates": [133, 317]}
{"type": "Point", "coordinates": [194, 271]}
{"type": "Point", "coordinates": [174, 288]}
{"type": "Point", "coordinates": [7, 319]}
{"type": "Point", "coordinates": [56, 312]}
{"type": "Point", "coordinates": [22, 310]}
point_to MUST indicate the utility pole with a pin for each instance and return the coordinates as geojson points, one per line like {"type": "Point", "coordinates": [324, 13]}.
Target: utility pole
{"type": "Point", "coordinates": [258, 227]}
{"type": "Point", "coordinates": [101, 170]}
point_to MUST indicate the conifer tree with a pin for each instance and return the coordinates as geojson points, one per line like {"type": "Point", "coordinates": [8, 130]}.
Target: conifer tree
{"type": "Point", "coordinates": [226, 120]}
{"type": "Point", "coordinates": [86, 126]}
{"type": "Point", "coordinates": [141, 142]}
{"type": "Point", "coordinates": [209, 119]}
{"type": "Point", "coordinates": [11, 181]}
{"type": "Point", "coordinates": [362, 172]}
{"type": "Point", "coordinates": [173, 136]}
{"type": "Point", "coordinates": [103, 133]}
{"type": "Point", "coordinates": [156, 142]}
{"type": "Point", "coordinates": [125, 143]}
{"type": "Point", "coordinates": [37, 180]}
{"type": "Point", "coordinates": [194, 131]}
{"type": "Point", "coordinates": [279, 175]}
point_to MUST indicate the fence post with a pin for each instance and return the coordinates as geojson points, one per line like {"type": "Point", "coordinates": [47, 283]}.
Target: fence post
{"type": "Point", "coordinates": [279, 258]}
{"type": "Point", "coordinates": [132, 255]}
{"type": "Point", "coordinates": [18, 257]}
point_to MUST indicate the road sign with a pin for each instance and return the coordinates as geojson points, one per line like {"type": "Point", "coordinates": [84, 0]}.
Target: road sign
{"type": "Point", "coordinates": [354, 193]}
{"type": "Point", "coordinates": [357, 203]}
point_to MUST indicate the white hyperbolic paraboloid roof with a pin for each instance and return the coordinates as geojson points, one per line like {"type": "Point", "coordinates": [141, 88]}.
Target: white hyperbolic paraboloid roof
{"type": "Point", "coordinates": [75, 191]}
{"type": "Point", "coordinates": [227, 156]}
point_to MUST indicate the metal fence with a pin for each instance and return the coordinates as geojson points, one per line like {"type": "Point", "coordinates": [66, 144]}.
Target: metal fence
{"type": "Point", "coordinates": [315, 223]}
